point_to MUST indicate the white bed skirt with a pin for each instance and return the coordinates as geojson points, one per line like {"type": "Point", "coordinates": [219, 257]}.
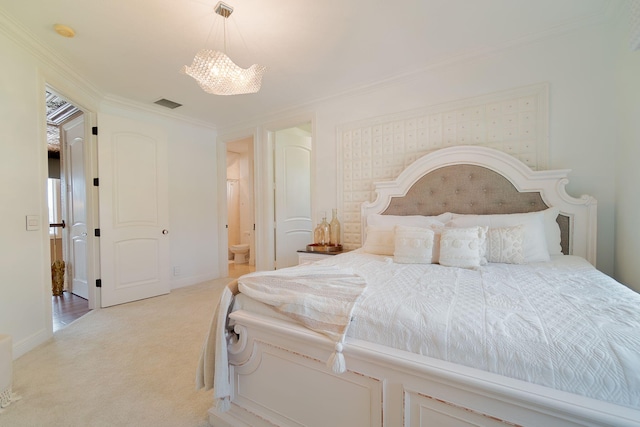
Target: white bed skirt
{"type": "Point", "coordinates": [279, 377]}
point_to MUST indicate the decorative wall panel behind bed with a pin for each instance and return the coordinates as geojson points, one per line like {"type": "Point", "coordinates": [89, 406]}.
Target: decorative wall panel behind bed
{"type": "Point", "coordinates": [513, 121]}
{"type": "Point", "coordinates": [277, 369]}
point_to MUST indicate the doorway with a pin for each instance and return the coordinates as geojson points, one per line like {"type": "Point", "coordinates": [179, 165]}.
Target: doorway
{"type": "Point", "coordinates": [240, 207]}
{"type": "Point", "coordinates": [266, 165]}
{"type": "Point", "coordinates": [68, 206]}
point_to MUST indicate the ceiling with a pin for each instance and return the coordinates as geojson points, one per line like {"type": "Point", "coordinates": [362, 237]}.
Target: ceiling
{"type": "Point", "coordinates": [58, 111]}
{"type": "Point", "coordinates": [312, 49]}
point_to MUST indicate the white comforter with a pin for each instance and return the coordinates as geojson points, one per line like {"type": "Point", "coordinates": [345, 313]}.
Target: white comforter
{"type": "Point", "coordinates": [561, 324]}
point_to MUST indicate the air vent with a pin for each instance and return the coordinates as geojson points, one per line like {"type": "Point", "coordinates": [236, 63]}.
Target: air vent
{"type": "Point", "coordinates": [167, 103]}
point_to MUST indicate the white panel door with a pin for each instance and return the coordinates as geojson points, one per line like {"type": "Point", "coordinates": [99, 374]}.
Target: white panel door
{"type": "Point", "coordinates": [294, 225]}
{"type": "Point", "coordinates": [134, 210]}
{"type": "Point", "coordinates": [75, 207]}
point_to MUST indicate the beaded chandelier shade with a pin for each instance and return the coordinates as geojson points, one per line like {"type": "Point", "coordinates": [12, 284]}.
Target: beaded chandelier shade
{"type": "Point", "coordinates": [217, 74]}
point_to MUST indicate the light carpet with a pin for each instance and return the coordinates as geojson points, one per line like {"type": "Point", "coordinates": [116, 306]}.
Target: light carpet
{"type": "Point", "coordinates": [128, 365]}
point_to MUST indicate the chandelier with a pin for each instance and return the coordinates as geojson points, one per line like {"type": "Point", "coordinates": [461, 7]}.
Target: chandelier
{"type": "Point", "coordinates": [217, 74]}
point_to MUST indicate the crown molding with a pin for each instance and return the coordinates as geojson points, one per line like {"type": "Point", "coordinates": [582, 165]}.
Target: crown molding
{"type": "Point", "coordinates": [134, 106]}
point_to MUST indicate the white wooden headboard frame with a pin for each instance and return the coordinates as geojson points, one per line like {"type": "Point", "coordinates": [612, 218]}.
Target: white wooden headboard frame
{"type": "Point", "coordinates": [550, 184]}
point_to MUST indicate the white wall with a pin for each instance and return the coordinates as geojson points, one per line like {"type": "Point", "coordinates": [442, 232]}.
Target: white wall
{"type": "Point", "coordinates": [578, 66]}
{"type": "Point", "coordinates": [193, 204]}
{"type": "Point", "coordinates": [25, 275]}
{"type": "Point", "coordinates": [627, 233]}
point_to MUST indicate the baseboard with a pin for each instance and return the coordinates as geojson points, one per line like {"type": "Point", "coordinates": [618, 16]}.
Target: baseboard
{"type": "Point", "coordinates": [192, 280]}
{"type": "Point", "coordinates": [26, 345]}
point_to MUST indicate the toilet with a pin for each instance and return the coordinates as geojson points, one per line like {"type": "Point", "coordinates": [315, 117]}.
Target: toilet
{"type": "Point", "coordinates": [240, 253]}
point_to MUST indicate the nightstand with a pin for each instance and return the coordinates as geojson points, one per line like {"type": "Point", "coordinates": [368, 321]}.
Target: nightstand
{"type": "Point", "coordinates": [306, 257]}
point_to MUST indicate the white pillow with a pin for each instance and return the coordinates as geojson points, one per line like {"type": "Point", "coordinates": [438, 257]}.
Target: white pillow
{"type": "Point", "coordinates": [378, 220]}
{"type": "Point", "coordinates": [505, 245]}
{"type": "Point", "coordinates": [380, 240]}
{"type": "Point", "coordinates": [413, 245]}
{"type": "Point", "coordinates": [535, 243]}
{"type": "Point", "coordinates": [460, 247]}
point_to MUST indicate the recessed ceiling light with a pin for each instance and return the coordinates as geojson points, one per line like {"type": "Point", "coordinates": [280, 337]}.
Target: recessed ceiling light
{"type": "Point", "coordinates": [64, 30]}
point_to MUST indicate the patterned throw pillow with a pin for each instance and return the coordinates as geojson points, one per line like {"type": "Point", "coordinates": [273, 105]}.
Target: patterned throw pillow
{"type": "Point", "coordinates": [506, 245]}
{"type": "Point", "coordinates": [413, 245]}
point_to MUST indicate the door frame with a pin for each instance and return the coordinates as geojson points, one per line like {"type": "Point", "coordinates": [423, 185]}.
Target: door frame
{"type": "Point", "coordinates": [72, 96]}
{"type": "Point", "coordinates": [221, 155]}
{"type": "Point", "coordinates": [263, 184]}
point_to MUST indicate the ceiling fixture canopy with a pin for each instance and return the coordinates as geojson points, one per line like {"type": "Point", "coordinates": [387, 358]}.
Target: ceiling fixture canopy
{"type": "Point", "coordinates": [217, 74]}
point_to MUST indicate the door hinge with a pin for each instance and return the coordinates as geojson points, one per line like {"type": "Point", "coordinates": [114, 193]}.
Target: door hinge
{"type": "Point", "coordinates": [226, 226]}
{"type": "Point", "coordinates": [94, 130]}
{"type": "Point", "coordinates": [98, 283]}
{"type": "Point", "coordinates": [96, 182]}
{"type": "Point", "coordinates": [96, 232]}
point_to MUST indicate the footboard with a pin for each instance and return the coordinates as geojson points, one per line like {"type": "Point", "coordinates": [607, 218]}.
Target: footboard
{"type": "Point", "coordinates": [279, 377]}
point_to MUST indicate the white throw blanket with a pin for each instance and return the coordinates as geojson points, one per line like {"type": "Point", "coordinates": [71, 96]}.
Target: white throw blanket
{"type": "Point", "coordinates": [319, 297]}
{"type": "Point", "coordinates": [213, 366]}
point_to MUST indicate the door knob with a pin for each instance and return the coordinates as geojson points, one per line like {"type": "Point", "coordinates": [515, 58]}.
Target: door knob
{"type": "Point", "coordinates": [165, 231]}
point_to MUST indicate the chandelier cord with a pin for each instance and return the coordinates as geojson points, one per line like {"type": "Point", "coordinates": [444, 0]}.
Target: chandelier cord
{"type": "Point", "coordinates": [224, 35]}
{"type": "Point", "coordinates": [214, 32]}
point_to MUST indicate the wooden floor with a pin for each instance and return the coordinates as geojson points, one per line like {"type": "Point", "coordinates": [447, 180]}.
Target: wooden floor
{"type": "Point", "coordinates": [67, 308]}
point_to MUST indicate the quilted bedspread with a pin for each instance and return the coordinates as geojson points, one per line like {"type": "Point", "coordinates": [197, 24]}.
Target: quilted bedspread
{"type": "Point", "coordinates": [562, 324]}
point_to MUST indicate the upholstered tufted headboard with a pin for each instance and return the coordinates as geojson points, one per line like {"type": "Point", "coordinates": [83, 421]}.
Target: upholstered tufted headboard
{"type": "Point", "coordinates": [470, 189]}
{"type": "Point", "coordinates": [479, 180]}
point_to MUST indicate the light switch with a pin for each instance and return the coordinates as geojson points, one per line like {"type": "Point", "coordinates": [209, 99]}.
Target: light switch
{"type": "Point", "coordinates": [33, 223]}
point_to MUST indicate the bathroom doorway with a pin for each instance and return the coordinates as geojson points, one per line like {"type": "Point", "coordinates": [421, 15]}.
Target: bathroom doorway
{"type": "Point", "coordinates": [240, 207]}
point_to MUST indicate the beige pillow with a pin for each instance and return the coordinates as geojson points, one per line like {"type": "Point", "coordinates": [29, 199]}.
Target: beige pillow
{"type": "Point", "coordinates": [461, 247]}
{"type": "Point", "coordinates": [380, 240]}
{"type": "Point", "coordinates": [413, 245]}
{"type": "Point", "coordinates": [506, 245]}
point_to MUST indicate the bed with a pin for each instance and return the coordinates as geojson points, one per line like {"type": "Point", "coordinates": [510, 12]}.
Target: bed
{"type": "Point", "coordinates": [501, 331]}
